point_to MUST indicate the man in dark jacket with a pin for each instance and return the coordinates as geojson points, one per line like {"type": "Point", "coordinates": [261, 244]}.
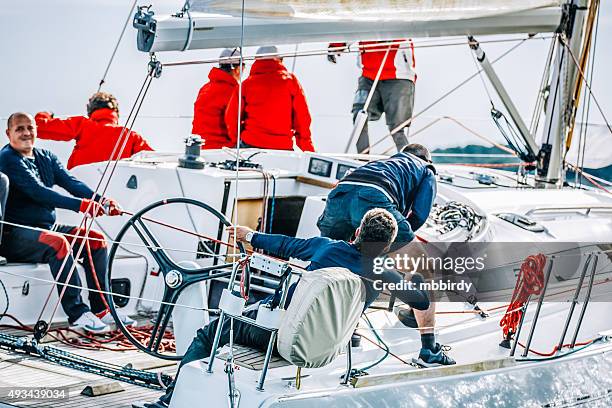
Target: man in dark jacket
{"type": "Point", "coordinates": [33, 236]}
{"type": "Point", "coordinates": [273, 109]}
{"type": "Point", "coordinates": [404, 185]}
{"type": "Point", "coordinates": [374, 236]}
{"type": "Point", "coordinates": [213, 98]}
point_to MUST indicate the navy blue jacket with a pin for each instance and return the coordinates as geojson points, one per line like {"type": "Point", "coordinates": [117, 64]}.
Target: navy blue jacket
{"type": "Point", "coordinates": [410, 181]}
{"type": "Point", "coordinates": [32, 200]}
{"type": "Point", "coordinates": [325, 253]}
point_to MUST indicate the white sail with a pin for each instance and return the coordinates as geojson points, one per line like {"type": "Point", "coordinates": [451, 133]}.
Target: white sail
{"type": "Point", "coordinates": [404, 10]}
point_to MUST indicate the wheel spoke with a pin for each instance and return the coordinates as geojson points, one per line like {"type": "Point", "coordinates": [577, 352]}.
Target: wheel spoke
{"type": "Point", "coordinates": [155, 249]}
{"type": "Point", "coordinates": [161, 321]}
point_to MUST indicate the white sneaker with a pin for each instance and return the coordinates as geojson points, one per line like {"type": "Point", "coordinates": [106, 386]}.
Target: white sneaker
{"type": "Point", "coordinates": [107, 318]}
{"type": "Point", "coordinates": [90, 322]}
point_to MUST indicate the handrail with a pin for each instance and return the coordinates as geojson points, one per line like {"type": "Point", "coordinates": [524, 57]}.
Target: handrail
{"type": "Point", "coordinates": [588, 209]}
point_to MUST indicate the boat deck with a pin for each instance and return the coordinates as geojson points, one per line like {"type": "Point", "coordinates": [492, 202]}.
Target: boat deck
{"type": "Point", "coordinates": [19, 370]}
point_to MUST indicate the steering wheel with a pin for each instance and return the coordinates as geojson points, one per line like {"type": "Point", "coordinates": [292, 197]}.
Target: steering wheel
{"type": "Point", "coordinates": [175, 277]}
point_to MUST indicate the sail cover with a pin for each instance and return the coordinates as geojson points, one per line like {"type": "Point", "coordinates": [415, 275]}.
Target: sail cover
{"type": "Point", "coordinates": [404, 10]}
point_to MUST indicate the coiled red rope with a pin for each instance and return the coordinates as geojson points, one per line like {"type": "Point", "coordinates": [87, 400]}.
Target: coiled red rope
{"type": "Point", "coordinates": [530, 281]}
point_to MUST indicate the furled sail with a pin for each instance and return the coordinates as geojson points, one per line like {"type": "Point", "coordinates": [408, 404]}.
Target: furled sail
{"type": "Point", "coordinates": [218, 23]}
{"type": "Point", "coordinates": [404, 10]}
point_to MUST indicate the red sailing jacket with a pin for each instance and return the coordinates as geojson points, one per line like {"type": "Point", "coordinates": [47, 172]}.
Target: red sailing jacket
{"type": "Point", "coordinates": [400, 63]}
{"type": "Point", "coordinates": [209, 109]}
{"type": "Point", "coordinates": [274, 109]}
{"type": "Point", "coordinates": [95, 136]}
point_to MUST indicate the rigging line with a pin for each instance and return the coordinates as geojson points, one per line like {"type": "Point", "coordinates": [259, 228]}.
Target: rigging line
{"type": "Point", "coordinates": [323, 52]}
{"type": "Point", "coordinates": [110, 62]}
{"type": "Point", "coordinates": [121, 244]}
{"type": "Point", "coordinates": [239, 129]}
{"type": "Point", "coordinates": [125, 135]}
{"type": "Point", "coordinates": [462, 125]}
{"type": "Point", "coordinates": [588, 105]}
{"type": "Point", "coordinates": [443, 96]}
{"type": "Point", "coordinates": [537, 112]}
{"type": "Point", "coordinates": [586, 83]}
{"type": "Point", "coordinates": [103, 292]}
{"type": "Point", "coordinates": [294, 58]}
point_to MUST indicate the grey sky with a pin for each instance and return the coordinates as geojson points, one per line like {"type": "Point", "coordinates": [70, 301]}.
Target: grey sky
{"type": "Point", "coordinates": [54, 54]}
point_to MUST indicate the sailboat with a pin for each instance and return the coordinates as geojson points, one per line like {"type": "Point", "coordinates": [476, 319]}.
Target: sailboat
{"type": "Point", "coordinates": [170, 262]}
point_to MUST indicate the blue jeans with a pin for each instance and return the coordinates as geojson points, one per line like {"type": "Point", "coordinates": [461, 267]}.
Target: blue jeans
{"type": "Point", "coordinates": [345, 207]}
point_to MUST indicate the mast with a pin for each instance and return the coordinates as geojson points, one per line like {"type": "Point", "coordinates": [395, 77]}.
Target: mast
{"type": "Point", "coordinates": [550, 172]}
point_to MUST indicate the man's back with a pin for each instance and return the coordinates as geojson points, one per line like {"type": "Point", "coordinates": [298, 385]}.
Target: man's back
{"type": "Point", "coordinates": [403, 176]}
{"type": "Point", "coordinates": [274, 109]}
{"type": "Point", "coordinates": [209, 109]}
{"type": "Point", "coordinates": [95, 136]}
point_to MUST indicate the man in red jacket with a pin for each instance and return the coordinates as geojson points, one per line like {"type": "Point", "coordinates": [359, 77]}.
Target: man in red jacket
{"type": "Point", "coordinates": [394, 93]}
{"type": "Point", "coordinates": [273, 107]}
{"type": "Point", "coordinates": [96, 136]}
{"type": "Point", "coordinates": [209, 108]}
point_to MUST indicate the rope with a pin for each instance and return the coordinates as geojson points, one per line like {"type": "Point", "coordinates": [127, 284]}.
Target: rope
{"type": "Point", "coordinates": [530, 281]}
{"type": "Point", "coordinates": [362, 48]}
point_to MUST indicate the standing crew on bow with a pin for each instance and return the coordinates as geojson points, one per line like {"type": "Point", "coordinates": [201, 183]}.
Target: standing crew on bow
{"type": "Point", "coordinates": [213, 98]}
{"type": "Point", "coordinates": [96, 135]}
{"type": "Point", "coordinates": [273, 108]}
{"type": "Point", "coordinates": [394, 92]}
{"type": "Point", "coordinates": [404, 185]}
{"type": "Point", "coordinates": [32, 202]}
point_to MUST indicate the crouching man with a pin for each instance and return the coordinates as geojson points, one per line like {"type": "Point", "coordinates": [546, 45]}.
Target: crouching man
{"type": "Point", "coordinates": [31, 204]}
{"type": "Point", "coordinates": [373, 237]}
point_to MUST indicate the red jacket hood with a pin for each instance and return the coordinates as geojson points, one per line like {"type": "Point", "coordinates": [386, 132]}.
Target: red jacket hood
{"type": "Point", "coordinates": [265, 66]}
{"type": "Point", "coordinates": [219, 75]}
{"type": "Point", "coordinates": [105, 116]}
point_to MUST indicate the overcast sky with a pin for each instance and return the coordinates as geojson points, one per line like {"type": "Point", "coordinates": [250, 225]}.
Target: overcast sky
{"type": "Point", "coordinates": [54, 53]}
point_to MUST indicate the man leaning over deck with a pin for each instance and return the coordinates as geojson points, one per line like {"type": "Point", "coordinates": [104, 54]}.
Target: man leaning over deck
{"type": "Point", "coordinates": [374, 236]}
{"type": "Point", "coordinates": [405, 185]}
{"type": "Point", "coordinates": [33, 235]}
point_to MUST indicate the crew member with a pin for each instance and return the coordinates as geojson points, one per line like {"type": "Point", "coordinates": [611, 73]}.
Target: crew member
{"type": "Point", "coordinates": [31, 204]}
{"type": "Point", "coordinates": [97, 136]}
{"type": "Point", "coordinates": [209, 108]}
{"type": "Point", "coordinates": [394, 93]}
{"type": "Point", "coordinates": [374, 236]}
{"type": "Point", "coordinates": [273, 108]}
{"type": "Point", "coordinates": [4, 186]}
{"type": "Point", "coordinates": [404, 185]}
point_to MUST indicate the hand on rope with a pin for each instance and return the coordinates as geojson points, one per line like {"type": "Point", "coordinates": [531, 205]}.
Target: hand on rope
{"type": "Point", "coordinates": [112, 207]}
{"type": "Point", "coordinates": [530, 281]}
{"type": "Point", "coordinates": [91, 208]}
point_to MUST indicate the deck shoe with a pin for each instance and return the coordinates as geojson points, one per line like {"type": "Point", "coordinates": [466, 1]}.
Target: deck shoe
{"type": "Point", "coordinates": [107, 318]}
{"type": "Point", "coordinates": [91, 323]}
{"type": "Point", "coordinates": [436, 357]}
